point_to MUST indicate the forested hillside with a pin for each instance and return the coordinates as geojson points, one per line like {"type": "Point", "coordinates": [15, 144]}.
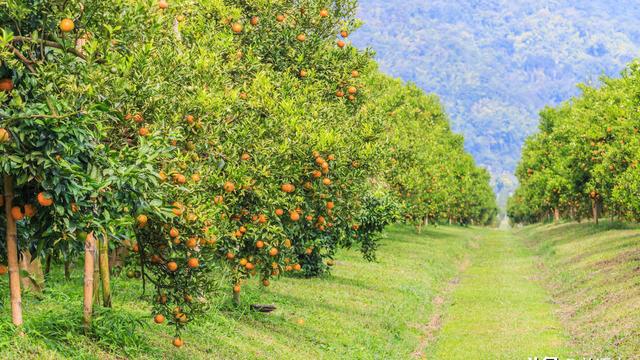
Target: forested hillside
{"type": "Point", "coordinates": [497, 63]}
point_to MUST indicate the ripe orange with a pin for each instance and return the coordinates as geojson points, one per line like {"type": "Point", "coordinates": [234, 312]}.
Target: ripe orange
{"type": "Point", "coordinates": [143, 131]}
{"type": "Point", "coordinates": [163, 4]}
{"type": "Point", "coordinates": [303, 73]}
{"type": "Point", "coordinates": [229, 187]}
{"type": "Point", "coordinates": [301, 37]}
{"type": "Point", "coordinates": [190, 120]}
{"type": "Point", "coordinates": [352, 90]}
{"type": "Point", "coordinates": [265, 282]}
{"type": "Point", "coordinates": [280, 18]}
{"type": "Point", "coordinates": [316, 174]}
{"type": "Point", "coordinates": [5, 137]}
{"type": "Point", "coordinates": [142, 220]}
{"type": "Point", "coordinates": [138, 118]}
{"type": "Point", "coordinates": [279, 212]}
{"type": "Point", "coordinates": [309, 218]}
{"type": "Point", "coordinates": [249, 266]}
{"type": "Point", "coordinates": [230, 256]}
{"type": "Point", "coordinates": [259, 244]}
{"type": "Point", "coordinates": [344, 33]}
{"type": "Point", "coordinates": [245, 157]}
{"type": "Point", "coordinates": [174, 233]}
{"type": "Point", "coordinates": [262, 219]}
{"type": "Point", "coordinates": [294, 216]}
{"type": "Point", "coordinates": [340, 93]}
{"type": "Point", "coordinates": [297, 267]}
{"type": "Point", "coordinates": [288, 188]}
{"type": "Point", "coordinates": [191, 243]}
{"type": "Point", "coordinates": [331, 157]}
{"type": "Point", "coordinates": [355, 74]}
{"type": "Point", "coordinates": [330, 205]}
{"type": "Point", "coordinates": [219, 199]}
{"type": "Point", "coordinates": [243, 262]}
{"type": "Point", "coordinates": [29, 210]}
{"type": "Point", "coordinates": [193, 263]}
{"type": "Point", "coordinates": [308, 251]}
{"type": "Point", "coordinates": [236, 289]}
{"type": "Point", "coordinates": [66, 25]}
{"type": "Point", "coordinates": [172, 266]}
{"type": "Point", "coordinates": [254, 20]}
{"type": "Point", "coordinates": [44, 199]}
{"type": "Point", "coordinates": [287, 243]}
{"type": "Point", "coordinates": [196, 177]}
{"type": "Point", "coordinates": [6, 84]}
{"type": "Point", "coordinates": [158, 319]}
{"type": "Point", "coordinates": [324, 13]}
{"type": "Point", "coordinates": [242, 229]}
{"type": "Point", "coordinates": [16, 213]}
{"type": "Point", "coordinates": [273, 251]}
{"type": "Point", "coordinates": [326, 181]}
{"type": "Point", "coordinates": [177, 342]}
{"type": "Point", "coordinates": [236, 28]}
{"type": "Point", "coordinates": [341, 44]}
{"type": "Point", "coordinates": [308, 185]}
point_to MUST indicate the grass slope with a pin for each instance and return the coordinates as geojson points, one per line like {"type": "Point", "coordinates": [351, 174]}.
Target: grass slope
{"type": "Point", "coordinates": [364, 311]}
{"type": "Point", "coordinates": [498, 311]}
{"type": "Point", "coordinates": [593, 271]}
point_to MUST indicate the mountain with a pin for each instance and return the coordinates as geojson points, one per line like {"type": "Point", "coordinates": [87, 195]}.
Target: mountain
{"type": "Point", "coordinates": [496, 63]}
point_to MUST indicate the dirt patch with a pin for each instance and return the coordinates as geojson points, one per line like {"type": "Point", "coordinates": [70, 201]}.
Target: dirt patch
{"type": "Point", "coordinates": [431, 329]}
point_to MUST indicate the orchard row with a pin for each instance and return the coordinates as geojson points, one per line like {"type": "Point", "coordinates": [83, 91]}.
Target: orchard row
{"type": "Point", "coordinates": [247, 134]}
{"type": "Point", "coordinates": [583, 162]}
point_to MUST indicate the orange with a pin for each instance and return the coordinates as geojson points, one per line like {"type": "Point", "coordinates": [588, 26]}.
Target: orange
{"type": "Point", "coordinates": [190, 120]}
{"type": "Point", "coordinates": [249, 266]}
{"type": "Point", "coordinates": [219, 199]}
{"type": "Point", "coordinates": [138, 118]}
{"type": "Point", "coordinates": [196, 177]}
{"type": "Point", "coordinates": [352, 90]}
{"type": "Point", "coordinates": [6, 84]}
{"type": "Point", "coordinates": [192, 243]}
{"type": "Point", "coordinates": [288, 188]}
{"type": "Point", "coordinates": [158, 319]}
{"type": "Point", "coordinates": [172, 266]}
{"type": "Point", "coordinates": [330, 205]}
{"type": "Point", "coordinates": [29, 210]}
{"type": "Point", "coordinates": [236, 28]}
{"type": "Point", "coordinates": [297, 267]}
{"type": "Point", "coordinates": [143, 131]}
{"type": "Point", "coordinates": [174, 233]}
{"type": "Point", "coordinates": [44, 199]}
{"type": "Point", "coordinates": [245, 157]}
{"type": "Point", "coordinates": [355, 73]}
{"type": "Point", "coordinates": [236, 289]}
{"type": "Point", "coordinates": [254, 20]}
{"type": "Point", "coordinates": [259, 244]}
{"type": "Point", "coordinates": [301, 37]}
{"type": "Point", "coordinates": [193, 263]}
{"type": "Point", "coordinates": [280, 18]}
{"type": "Point", "coordinates": [262, 219]}
{"type": "Point", "coordinates": [279, 212]}
{"type": "Point", "coordinates": [16, 213]}
{"type": "Point", "coordinates": [4, 136]}
{"type": "Point", "coordinates": [265, 282]}
{"type": "Point", "coordinates": [273, 251]}
{"type": "Point", "coordinates": [3, 269]}
{"type": "Point", "coordinates": [340, 93]}
{"type": "Point", "coordinates": [287, 243]}
{"type": "Point", "coordinates": [344, 33]}
{"type": "Point", "coordinates": [326, 181]}
{"type": "Point", "coordinates": [229, 187]}
{"type": "Point", "coordinates": [294, 216]}
{"type": "Point", "coordinates": [162, 4]}
{"type": "Point", "coordinates": [66, 25]}
{"type": "Point", "coordinates": [177, 342]}
{"type": "Point", "coordinates": [316, 174]}
{"type": "Point", "coordinates": [324, 13]}
{"type": "Point", "coordinates": [331, 157]}
{"type": "Point", "coordinates": [341, 44]}
{"type": "Point", "coordinates": [142, 220]}
{"type": "Point", "coordinates": [303, 73]}
{"type": "Point", "coordinates": [243, 262]}
{"type": "Point", "coordinates": [230, 256]}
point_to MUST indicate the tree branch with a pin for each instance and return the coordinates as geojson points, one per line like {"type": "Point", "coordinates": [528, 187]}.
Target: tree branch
{"type": "Point", "coordinates": [52, 44]}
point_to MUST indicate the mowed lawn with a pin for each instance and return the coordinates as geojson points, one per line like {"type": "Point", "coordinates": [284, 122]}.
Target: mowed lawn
{"type": "Point", "coordinates": [363, 310]}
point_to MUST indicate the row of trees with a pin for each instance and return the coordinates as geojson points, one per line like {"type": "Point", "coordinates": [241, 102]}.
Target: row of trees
{"type": "Point", "coordinates": [584, 160]}
{"type": "Point", "coordinates": [247, 134]}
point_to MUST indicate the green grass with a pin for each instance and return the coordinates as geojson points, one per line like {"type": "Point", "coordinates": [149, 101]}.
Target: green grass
{"type": "Point", "coordinates": [593, 272]}
{"type": "Point", "coordinates": [499, 310]}
{"type": "Point", "coordinates": [363, 311]}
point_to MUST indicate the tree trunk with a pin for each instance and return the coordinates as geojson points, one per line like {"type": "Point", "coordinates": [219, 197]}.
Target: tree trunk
{"type": "Point", "coordinates": [34, 280]}
{"type": "Point", "coordinates": [105, 275]}
{"type": "Point", "coordinates": [89, 260]}
{"type": "Point", "coordinates": [594, 210]}
{"type": "Point", "coordinates": [426, 220]}
{"type": "Point", "coordinates": [47, 265]}
{"type": "Point", "coordinates": [12, 254]}
{"type": "Point", "coordinates": [67, 270]}
{"type": "Point", "coordinates": [556, 215]}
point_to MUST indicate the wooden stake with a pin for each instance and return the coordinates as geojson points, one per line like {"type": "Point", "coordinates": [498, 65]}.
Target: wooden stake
{"type": "Point", "coordinates": [12, 254]}
{"type": "Point", "coordinates": [89, 260]}
{"type": "Point", "coordinates": [104, 271]}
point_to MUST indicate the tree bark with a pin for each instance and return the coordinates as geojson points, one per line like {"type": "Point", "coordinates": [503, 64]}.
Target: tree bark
{"type": "Point", "coordinates": [594, 210]}
{"type": "Point", "coordinates": [47, 265]}
{"type": "Point", "coordinates": [556, 215]}
{"type": "Point", "coordinates": [89, 260]}
{"type": "Point", "coordinates": [105, 275]}
{"type": "Point", "coordinates": [96, 275]}
{"type": "Point", "coordinates": [67, 270]}
{"type": "Point", "coordinates": [12, 254]}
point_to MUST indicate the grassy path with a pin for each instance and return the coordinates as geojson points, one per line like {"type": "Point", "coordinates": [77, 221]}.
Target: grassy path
{"type": "Point", "coordinates": [498, 310]}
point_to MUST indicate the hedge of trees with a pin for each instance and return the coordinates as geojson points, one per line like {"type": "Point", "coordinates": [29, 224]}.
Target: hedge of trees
{"type": "Point", "coordinates": [583, 163]}
{"type": "Point", "coordinates": [244, 133]}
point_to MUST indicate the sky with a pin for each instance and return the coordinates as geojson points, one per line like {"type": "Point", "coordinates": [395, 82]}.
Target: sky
{"type": "Point", "coordinates": [496, 63]}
